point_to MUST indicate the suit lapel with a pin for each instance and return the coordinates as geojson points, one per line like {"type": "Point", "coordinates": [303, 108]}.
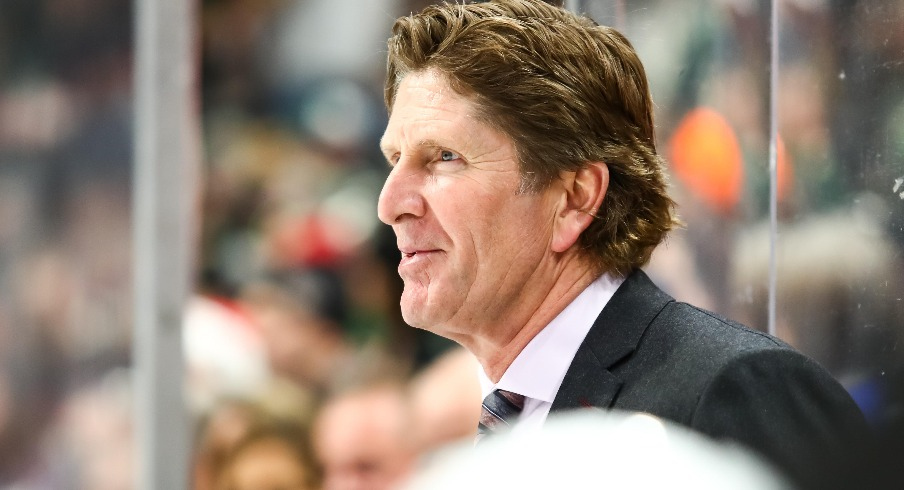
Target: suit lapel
{"type": "Point", "coordinates": [613, 337]}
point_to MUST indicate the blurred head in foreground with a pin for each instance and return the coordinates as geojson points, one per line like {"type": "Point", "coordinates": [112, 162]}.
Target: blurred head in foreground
{"type": "Point", "coordinates": [577, 449]}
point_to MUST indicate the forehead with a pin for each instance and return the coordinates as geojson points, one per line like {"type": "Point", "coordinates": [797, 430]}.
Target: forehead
{"type": "Point", "coordinates": [428, 89]}
{"type": "Point", "coordinates": [426, 107]}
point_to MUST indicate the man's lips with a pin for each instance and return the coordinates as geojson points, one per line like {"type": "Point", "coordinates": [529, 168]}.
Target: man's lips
{"type": "Point", "coordinates": [412, 256]}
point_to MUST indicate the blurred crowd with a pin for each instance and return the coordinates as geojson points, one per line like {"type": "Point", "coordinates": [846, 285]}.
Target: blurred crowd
{"type": "Point", "coordinates": [300, 369]}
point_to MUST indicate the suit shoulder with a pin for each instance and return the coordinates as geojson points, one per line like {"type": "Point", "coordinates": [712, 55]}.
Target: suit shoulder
{"type": "Point", "coordinates": [786, 407]}
{"type": "Point", "coordinates": [680, 354]}
{"type": "Point", "coordinates": [684, 326]}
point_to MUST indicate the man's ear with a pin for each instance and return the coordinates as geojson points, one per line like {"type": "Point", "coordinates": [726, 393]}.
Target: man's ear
{"type": "Point", "coordinates": [583, 196]}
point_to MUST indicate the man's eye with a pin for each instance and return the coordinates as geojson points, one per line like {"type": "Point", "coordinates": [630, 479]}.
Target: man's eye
{"type": "Point", "coordinates": [447, 156]}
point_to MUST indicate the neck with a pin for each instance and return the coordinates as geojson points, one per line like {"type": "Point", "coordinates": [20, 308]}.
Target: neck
{"type": "Point", "coordinates": [496, 348]}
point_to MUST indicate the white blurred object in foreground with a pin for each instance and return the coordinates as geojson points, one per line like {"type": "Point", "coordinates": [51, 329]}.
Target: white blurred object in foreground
{"type": "Point", "coordinates": [599, 450]}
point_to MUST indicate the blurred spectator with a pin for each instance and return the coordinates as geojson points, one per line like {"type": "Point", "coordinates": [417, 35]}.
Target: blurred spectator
{"type": "Point", "coordinates": [31, 395]}
{"type": "Point", "coordinates": [445, 401]}
{"type": "Point", "coordinates": [231, 30]}
{"type": "Point", "coordinates": [280, 411]}
{"type": "Point", "coordinates": [363, 439]}
{"type": "Point", "coordinates": [219, 432]}
{"type": "Point", "coordinates": [301, 315]}
{"type": "Point", "coordinates": [98, 432]}
{"type": "Point", "coordinates": [263, 184]}
{"type": "Point", "coordinates": [270, 457]}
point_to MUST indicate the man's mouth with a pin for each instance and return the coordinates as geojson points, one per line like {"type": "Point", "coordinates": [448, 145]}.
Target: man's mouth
{"type": "Point", "coordinates": [414, 256]}
{"type": "Point", "coordinates": [416, 252]}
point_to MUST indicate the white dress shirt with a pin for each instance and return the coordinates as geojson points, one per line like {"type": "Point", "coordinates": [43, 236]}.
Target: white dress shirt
{"type": "Point", "coordinates": [539, 369]}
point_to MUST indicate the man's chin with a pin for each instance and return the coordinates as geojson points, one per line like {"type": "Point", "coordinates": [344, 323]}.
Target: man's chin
{"type": "Point", "coordinates": [416, 313]}
{"type": "Point", "coordinates": [415, 316]}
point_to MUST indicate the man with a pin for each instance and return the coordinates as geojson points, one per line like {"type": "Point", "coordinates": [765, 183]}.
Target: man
{"type": "Point", "coordinates": [526, 192]}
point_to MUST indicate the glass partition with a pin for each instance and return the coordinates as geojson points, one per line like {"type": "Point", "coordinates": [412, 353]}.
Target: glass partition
{"type": "Point", "coordinates": [841, 116]}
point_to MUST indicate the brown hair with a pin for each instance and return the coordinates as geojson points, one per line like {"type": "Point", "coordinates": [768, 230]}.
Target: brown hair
{"type": "Point", "coordinates": [290, 435]}
{"type": "Point", "coordinates": [567, 91]}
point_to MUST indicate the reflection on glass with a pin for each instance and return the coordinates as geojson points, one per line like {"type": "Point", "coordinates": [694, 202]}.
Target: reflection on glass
{"type": "Point", "coordinates": [840, 277]}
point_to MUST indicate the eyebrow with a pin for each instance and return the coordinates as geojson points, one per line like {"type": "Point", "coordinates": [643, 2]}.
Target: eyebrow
{"type": "Point", "coordinates": [428, 143]}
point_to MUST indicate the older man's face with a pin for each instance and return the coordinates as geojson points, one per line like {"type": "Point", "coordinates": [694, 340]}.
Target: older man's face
{"type": "Point", "coordinates": [471, 243]}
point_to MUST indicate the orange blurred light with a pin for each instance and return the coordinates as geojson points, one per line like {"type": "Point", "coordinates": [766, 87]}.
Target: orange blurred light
{"type": "Point", "coordinates": [706, 157]}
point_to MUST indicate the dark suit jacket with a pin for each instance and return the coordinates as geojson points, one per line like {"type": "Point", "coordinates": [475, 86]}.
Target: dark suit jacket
{"type": "Point", "coordinates": [648, 353]}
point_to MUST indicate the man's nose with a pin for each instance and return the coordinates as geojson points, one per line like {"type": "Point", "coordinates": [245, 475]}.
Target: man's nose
{"type": "Point", "coordinates": [402, 194]}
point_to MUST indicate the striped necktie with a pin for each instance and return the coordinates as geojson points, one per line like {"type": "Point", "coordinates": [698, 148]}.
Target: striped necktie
{"type": "Point", "coordinates": [500, 410]}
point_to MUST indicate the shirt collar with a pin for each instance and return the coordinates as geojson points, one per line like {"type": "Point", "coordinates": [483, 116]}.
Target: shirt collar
{"type": "Point", "coordinates": [539, 369]}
